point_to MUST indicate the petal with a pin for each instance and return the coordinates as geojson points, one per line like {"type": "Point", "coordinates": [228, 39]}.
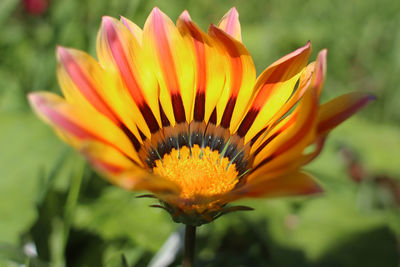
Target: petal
{"type": "Point", "coordinates": [273, 88]}
{"type": "Point", "coordinates": [230, 24]}
{"type": "Point", "coordinates": [134, 180]}
{"type": "Point", "coordinates": [320, 71]}
{"type": "Point", "coordinates": [107, 159]}
{"type": "Point", "coordinates": [334, 112]}
{"type": "Point", "coordinates": [307, 81]}
{"type": "Point", "coordinates": [239, 80]}
{"type": "Point", "coordinates": [85, 84]}
{"type": "Point", "coordinates": [297, 183]}
{"type": "Point", "coordinates": [273, 132]}
{"type": "Point", "coordinates": [317, 147]}
{"type": "Point", "coordinates": [286, 141]}
{"type": "Point", "coordinates": [173, 62]}
{"type": "Point", "coordinates": [121, 171]}
{"type": "Point", "coordinates": [78, 125]}
{"type": "Point", "coordinates": [133, 28]}
{"type": "Point", "coordinates": [119, 52]}
{"type": "Point", "coordinates": [210, 75]}
{"type": "Point", "coordinates": [78, 74]}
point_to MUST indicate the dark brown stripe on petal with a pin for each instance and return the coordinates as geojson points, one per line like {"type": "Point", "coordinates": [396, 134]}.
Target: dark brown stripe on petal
{"type": "Point", "coordinates": [247, 122]}
{"type": "Point", "coordinates": [149, 117]}
{"type": "Point", "coordinates": [135, 142]}
{"type": "Point", "coordinates": [227, 116]}
{"type": "Point", "coordinates": [164, 120]}
{"type": "Point", "coordinates": [142, 136]}
{"type": "Point", "coordinates": [254, 139]}
{"type": "Point", "coordinates": [199, 106]}
{"type": "Point", "coordinates": [263, 162]}
{"type": "Point", "coordinates": [179, 110]}
{"type": "Point", "coordinates": [272, 137]}
{"type": "Point", "coordinates": [213, 117]}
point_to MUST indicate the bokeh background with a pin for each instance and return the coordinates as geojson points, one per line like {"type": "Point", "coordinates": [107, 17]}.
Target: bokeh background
{"type": "Point", "coordinates": [54, 211]}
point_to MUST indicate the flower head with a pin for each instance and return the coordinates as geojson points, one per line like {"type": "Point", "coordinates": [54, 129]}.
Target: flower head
{"type": "Point", "coordinates": [179, 112]}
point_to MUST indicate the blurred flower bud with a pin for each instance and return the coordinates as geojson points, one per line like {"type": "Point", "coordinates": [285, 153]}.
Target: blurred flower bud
{"type": "Point", "coordinates": [36, 7]}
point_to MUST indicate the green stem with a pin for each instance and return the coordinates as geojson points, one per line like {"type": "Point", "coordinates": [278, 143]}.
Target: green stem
{"type": "Point", "coordinates": [72, 199]}
{"type": "Point", "coordinates": [190, 243]}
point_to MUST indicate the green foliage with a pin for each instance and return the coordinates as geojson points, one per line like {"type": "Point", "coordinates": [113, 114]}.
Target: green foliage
{"type": "Point", "coordinates": [74, 218]}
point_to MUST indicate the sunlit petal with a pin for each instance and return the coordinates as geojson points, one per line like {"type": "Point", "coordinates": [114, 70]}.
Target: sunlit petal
{"type": "Point", "coordinates": [240, 78]}
{"type": "Point", "coordinates": [273, 88]}
{"type": "Point", "coordinates": [230, 24]}
{"type": "Point", "coordinates": [173, 63]}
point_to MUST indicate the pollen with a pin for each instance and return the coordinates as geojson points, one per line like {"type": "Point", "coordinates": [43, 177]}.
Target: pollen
{"type": "Point", "coordinates": [198, 171]}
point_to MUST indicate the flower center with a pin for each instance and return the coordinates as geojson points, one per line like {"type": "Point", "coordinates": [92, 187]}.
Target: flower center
{"type": "Point", "coordinates": [198, 171]}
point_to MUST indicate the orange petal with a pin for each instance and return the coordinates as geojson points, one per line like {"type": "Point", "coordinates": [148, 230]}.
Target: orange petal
{"type": "Point", "coordinates": [140, 180]}
{"type": "Point", "coordinates": [106, 158]}
{"type": "Point", "coordinates": [273, 88]}
{"type": "Point", "coordinates": [320, 71]}
{"type": "Point", "coordinates": [79, 125]}
{"type": "Point", "coordinates": [210, 75]}
{"type": "Point", "coordinates": [78, 77]}
{"type": "Point", "coordinates": [317, 146]}
{"type": "Point", "coordinates": [230, 24]}
{"type": "Point", "coordinates": [173, 63]}
{"type": "Point", "coordinates": [240, 78]}
{"type": "Point", "coordinates": [121, 171]}
{"type": "Point", "coordinates": [291, 136]}
{"type": "Point", "coordinates": [85, 84]}
{"type": "Point", "coordinates": [297, 183]}
{"type": "Point", "coordinates": [307, 81]}
{"type": "Point", "coordinates": [334, 112]}
{"type": "Point", "coordinates": [120, 52]}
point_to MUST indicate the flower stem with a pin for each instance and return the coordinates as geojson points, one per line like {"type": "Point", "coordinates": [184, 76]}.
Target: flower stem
{"type": "Point", "coordinates": [190, 243]}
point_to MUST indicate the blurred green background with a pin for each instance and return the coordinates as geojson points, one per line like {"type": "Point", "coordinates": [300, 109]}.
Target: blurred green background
{"type": "Point", "coordinates": [54, 211]}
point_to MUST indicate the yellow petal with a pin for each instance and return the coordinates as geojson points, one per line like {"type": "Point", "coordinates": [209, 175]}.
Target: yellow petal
{"type": "Point", "coordinates": [121, 171]}
{"type": "Point", "coordinates": [79, 124]}
{"type": "Point", "coordinates": [210, 75]}
{"type": "Point", "coordinates": [78, 75]}
{"type": "Point", "coordinates": [85, 84]}
{"type": "Point", "coordinates": [312, 78]}
{"type": "Point", "coordinates": [120, 53]}
{"type": "Point", "coordinates": [173, 63]}
{"type": "Point", "coordinates": [304, 85]}
{"type": "Point", "coordinates": [240, 78]}
{"type": "Point", "coordinates": [289, 138]}
{"type": "Point", "coordinates": [107, 159]}
{"type": "Point", "coordinates": [133, 28]}
{"type": "Point", "coordinates": [273, 88]}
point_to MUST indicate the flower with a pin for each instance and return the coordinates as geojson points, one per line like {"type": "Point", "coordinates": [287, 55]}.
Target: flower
{"type": "Point", "coordinates": [36, 7]}
{"type": "Point", "coordinates": [179, 112]}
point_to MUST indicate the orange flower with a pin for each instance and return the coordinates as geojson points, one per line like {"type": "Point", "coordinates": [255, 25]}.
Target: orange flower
{"type": "Point", "coordinates": [179, 112]}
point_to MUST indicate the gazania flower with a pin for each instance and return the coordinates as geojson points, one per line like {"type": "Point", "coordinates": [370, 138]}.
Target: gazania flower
{"type": "Point", "coordinates": [179, 112]}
